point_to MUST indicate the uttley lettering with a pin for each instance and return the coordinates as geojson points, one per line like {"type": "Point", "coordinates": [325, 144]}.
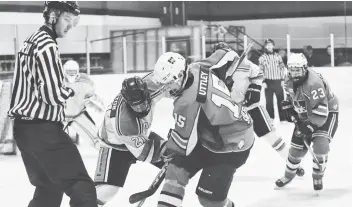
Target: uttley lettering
{"type": "Point", "coordinates": [203, 83]}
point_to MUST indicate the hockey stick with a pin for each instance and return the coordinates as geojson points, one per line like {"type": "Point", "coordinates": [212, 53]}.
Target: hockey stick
{"type": "Point", "coordinates": [141, 196]}
{"type": "Point", "coordinates": [236, 64]}
{"type": "Point", "coordinates": [307, 145]}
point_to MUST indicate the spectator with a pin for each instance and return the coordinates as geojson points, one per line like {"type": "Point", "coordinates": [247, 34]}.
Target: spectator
{"type": "Point", "coordinates": [283, 54]}
{"type": "Point", "coordinates": [310, 56]}
{"type": "Point", "coordinates": [340, 60]}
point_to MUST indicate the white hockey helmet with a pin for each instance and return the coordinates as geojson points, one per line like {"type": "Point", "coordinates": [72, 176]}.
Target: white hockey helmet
{"type": "Point", "coordinates": [169, 68]}
{"type": "Point", "coordinates": [71, 70]}
{"type": "Point", "coordinates": [297, 66]}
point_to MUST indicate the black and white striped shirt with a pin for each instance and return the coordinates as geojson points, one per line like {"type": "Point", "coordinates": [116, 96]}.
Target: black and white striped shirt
{"type": "Point", "coordinates": [272, 65]}
{"type": "Point", "coordinates": [38, 90]}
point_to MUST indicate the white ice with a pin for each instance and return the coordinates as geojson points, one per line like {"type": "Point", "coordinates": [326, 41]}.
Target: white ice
{"type": "Point", "coordinates": [253, 184]}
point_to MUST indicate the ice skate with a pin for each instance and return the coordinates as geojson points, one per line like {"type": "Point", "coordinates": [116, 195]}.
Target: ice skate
{"type": "Point", "coordinates": [317, 183]}
{"type": "Point", "coordinates": [283, 181]}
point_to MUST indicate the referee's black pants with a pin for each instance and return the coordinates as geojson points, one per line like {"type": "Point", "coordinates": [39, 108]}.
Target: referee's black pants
{"type": "Point", "coordinates": [53, 164]}
{"type": "Point", "coordinates": [274, 87]}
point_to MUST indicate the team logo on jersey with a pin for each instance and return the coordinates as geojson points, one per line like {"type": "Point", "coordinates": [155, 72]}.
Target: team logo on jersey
{"type": "Point", "coordinates": [27, 48]}
{"type": "Point", "coordinates": [335, 107]}
{"type": "Point", "coordinates": [203, 85]}
{"type": "Point", "coordinates": [241, 144]}
{"type": "Point", "coordinates": [146, 125]}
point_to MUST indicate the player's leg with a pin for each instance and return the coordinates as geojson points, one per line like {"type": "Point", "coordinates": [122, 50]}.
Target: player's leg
{"type": "Point", "coordinates": [86, 128]}
{"type": "Point", "coordinates": [265, 129]}
{"type": "Point", "coordinates": [296, 153]}
{"type": "Point", "coordinates": [321, 147]}
{"type": "Point", "coordinates": [111, 172]}
{"type": "Point", "coordinates": [280, 97]}
{"type": "Point", "coordinates": [179, 171]}
{"type": "Point", "coordinates": [269, 99]}
{"type": "Point", "coordinates": [216, 178]}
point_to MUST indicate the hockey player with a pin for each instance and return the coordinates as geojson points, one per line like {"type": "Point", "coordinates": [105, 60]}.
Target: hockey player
{"type": "Point", "coordinates": [314, 108]}
{"type": "Point", "coordinates": [245, 86]}
{"type": "Point", "coordinates": [77, 117]}
{"type": "Point", "coordinates": [211, 132]}
{"type": "Point", "coordinates": [126, 136]}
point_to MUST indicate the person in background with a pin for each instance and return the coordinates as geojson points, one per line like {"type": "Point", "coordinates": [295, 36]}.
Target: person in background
{"type": "Point", "coordinates": [283, 54]}
{"type": "Point", "coordinates": [274, 73]}
{"type": "Point", "coordinates": [308, 51]}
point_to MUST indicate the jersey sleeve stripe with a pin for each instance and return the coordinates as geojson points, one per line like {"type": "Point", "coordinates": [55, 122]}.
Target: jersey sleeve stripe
{"type": "Point", "coordinates": [119, 110]}
{"type": "Point", "coordinates": [321, 110]}
{"type": "Point", "coordinates": [332, 125]}
{"type": "Point", "coordinates": [179, 141]}
{"type": "Point", "coordinates": [157, 150]}
{"type": "Point", "coordinates": [145, 151]}
{"type": "Point", "coordinates": [139, 125]}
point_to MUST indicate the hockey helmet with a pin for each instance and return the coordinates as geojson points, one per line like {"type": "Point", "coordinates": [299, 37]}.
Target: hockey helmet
{"type": "Point", "coordinates": [71, 70]}
{"type": "Point", "coordinates": [297, 67]}
{"type": "Point", "coordinates": [221, 46]}
{"type": "Point", "coordinates": [137, 96]}
{"type": "Point", "coordinates": [170, 72]}
{"type": "Point", "coordinates": [61, 6]}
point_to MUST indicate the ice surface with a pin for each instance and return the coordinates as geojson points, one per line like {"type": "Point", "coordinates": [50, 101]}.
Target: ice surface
{"type": "Point", "coordinates": [253, 184]}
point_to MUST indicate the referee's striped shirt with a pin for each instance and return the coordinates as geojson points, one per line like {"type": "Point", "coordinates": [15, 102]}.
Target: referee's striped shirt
{"type": "Point", "coordinates": [273, 66]}
{"type": "Point", "coordinates": [38, 90]}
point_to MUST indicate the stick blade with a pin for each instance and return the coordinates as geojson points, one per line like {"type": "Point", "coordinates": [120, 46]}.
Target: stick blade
{"type": "Point", "coordinates": [134, 198]}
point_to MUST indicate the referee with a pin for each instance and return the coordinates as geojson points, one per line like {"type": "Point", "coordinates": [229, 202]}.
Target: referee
{"type": "Point", "coordinates": [274, 73]}
{"type": "Point", "coordinates": [53, 163]}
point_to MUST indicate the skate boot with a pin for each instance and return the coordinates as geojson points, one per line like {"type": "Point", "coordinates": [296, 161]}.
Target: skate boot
{"type": "Point", "coordinates": [300, 172]}
{"type": "Point", "coordinates": [317, 183]}
{"type": "Point", "coordinates": [283, 181]}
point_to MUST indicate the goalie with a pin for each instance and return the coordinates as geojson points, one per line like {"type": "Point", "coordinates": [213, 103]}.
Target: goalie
{"type": "Point", "coordinates": [314, 108]}
{"type": "Point", "coordinates": [77, 117]}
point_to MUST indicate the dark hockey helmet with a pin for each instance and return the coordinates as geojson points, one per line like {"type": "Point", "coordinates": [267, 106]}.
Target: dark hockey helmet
{"type": "Point", "coordinates": [67, 6]}
{"type": "Point", "coordinates": [59, 7]}
{"type": "Point", "coordinates": [267, 41]}
{"type": "Point", "coordinates": [221, 45]}
{"type": "Point", "coordinates": [137, 96]}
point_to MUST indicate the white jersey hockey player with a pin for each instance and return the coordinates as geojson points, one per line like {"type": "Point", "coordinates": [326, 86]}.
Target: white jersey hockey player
{"type": "Point", "coordinates": [77, 117]}
{"type": "Point", "coordinates": [245, 86]}
{"type": "Point", "coordinates": [126, 136]}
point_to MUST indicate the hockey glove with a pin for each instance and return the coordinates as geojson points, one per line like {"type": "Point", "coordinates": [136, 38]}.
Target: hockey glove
{"type": "Point", "coordinates": [252, 95]}
{"type": "Point", "coordinates": [306, 127]}
{"type": "Point", "coordinates": [166, 154]}
{"type": "Point", "coordinates": [288, 110]}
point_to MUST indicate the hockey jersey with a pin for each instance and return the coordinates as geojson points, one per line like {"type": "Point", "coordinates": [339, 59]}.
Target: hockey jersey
{"type": "Point", "coordinates": [315, 95]}
{"type": "Point", "coordinates": [247, 72]}
{"type": "Point", "coordinates": [205, 112]}
{"type": "Point", "coordinates": [123, 130]}
{"type": "Point", "coordinates": [84, 97]}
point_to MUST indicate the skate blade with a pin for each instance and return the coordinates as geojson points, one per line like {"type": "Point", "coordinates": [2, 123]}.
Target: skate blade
{"type": "Point", "coordinates": [317, 192]}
